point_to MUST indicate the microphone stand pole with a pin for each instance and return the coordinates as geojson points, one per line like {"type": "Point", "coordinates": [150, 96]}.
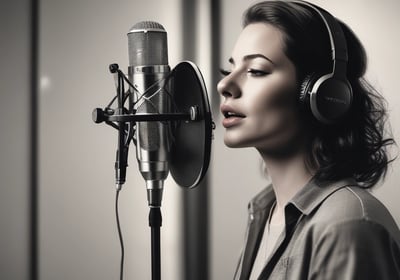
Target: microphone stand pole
{"type": "Point", "coordinates": [155, 221]}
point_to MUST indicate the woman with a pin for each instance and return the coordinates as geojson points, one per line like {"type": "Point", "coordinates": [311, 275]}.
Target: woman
{"type": "Point", "coordinates": [317, 220]}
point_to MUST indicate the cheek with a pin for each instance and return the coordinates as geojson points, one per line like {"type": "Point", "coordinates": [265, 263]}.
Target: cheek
{"type": "Point", "coordinates": [274, 113]}
{"type": "Point", "coordinates": [276, 105]}
{"type": "Point", "coordinates": [275, 122]}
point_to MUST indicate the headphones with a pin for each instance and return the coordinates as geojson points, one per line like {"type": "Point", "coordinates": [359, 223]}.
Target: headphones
{"type": "Point", "coordinates": [328, 96]}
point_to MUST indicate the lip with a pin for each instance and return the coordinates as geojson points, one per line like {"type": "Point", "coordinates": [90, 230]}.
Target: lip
{"type": "Point", "coordinates": [237, 117]}
{"type": "Point", "coordinates": [232, 121]}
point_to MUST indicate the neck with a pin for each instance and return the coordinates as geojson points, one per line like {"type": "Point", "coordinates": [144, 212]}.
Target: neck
{"type": "Point", "coordinates": [288, 175]}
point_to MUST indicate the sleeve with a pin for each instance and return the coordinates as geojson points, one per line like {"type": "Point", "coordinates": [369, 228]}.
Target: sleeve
{"type": "Point", "coordinates": [355, 250]}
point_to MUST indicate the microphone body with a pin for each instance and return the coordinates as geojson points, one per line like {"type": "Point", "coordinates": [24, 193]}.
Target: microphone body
{"type": "Point", "coordinates": [148, 69]}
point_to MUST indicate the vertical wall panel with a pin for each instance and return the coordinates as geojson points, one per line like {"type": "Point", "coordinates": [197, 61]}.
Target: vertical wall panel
{"type": "Point", "coordinates": [196, 48]}
{"type": "Point", "coordinates": [15, 79]}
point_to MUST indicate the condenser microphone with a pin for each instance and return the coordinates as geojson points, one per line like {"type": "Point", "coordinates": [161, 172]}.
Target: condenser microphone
{"type": "Point", "coordinates": [148, 70]}
{"type": "Point", "coordinates": [168, 118]}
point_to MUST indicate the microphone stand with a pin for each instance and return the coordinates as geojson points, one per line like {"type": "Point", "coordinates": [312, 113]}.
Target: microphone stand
{"type": "Point", "coordinates": [118, 120]}
{"type": "Point", "coordinates": [155, 221]}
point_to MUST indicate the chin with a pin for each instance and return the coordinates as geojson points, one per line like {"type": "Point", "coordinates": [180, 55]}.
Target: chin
{"type": "Point", "coordinates": [235, 142]}
{"type": "Point", "coordinates": [231, 144]}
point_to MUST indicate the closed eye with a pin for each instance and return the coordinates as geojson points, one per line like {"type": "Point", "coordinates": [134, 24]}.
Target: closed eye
{"type": "Point", "coordinates": [257, 73]}
{"type": "Point", "coordinates": [224, 72]}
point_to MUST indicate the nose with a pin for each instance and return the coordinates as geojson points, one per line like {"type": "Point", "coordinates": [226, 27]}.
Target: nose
{"type": "Point", "coordinates": [228, 87]}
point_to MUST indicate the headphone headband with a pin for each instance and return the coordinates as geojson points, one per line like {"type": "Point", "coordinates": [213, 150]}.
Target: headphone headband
{"type": "Point", "coordinates": [336, 38]}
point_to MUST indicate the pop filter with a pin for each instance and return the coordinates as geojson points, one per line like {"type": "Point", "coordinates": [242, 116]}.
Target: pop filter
{"type": "Point", "coordinates": [191, 147]}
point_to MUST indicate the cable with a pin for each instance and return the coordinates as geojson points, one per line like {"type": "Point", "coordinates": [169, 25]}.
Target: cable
{"type": "Point", "coordinates": [121, 240]}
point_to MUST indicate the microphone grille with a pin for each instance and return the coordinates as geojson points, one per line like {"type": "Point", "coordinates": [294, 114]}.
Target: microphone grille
{"type": "Point", "coordinates": [149, 132]}
{"type": "Point", "coordinates": [147, 44]}
{"type": "Point", "coordinates": [147, 25]}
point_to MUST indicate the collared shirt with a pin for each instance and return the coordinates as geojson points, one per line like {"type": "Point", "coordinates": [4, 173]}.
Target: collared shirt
{"type": "Point", "coordinates": [333, 231]}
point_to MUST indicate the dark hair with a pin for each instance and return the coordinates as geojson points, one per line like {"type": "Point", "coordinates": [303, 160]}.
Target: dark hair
{"type": "Point", "coordinates": [355, 147]}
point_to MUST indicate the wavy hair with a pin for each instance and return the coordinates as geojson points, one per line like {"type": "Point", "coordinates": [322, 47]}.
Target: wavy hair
{"type": "Point", "coordinates": [356, 147]}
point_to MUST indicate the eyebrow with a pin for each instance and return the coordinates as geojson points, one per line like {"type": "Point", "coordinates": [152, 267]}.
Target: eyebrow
{"type": "Point", "coordinates": [252, 56]}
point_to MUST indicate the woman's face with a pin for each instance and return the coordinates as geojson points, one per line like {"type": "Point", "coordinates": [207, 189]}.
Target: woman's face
{"type": "Point", "coordinates": [260, 92]}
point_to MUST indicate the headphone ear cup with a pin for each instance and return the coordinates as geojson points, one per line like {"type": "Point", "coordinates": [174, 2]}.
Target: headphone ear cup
{"type": "Point", "coordinates": [305, 89]}
{"type": "Point", "coordinates": [331, 100]}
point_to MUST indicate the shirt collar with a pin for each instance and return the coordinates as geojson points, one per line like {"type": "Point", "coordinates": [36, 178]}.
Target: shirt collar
{"type": "Point", "coordinates": [262, 200]}
{"type": "Point", "coordinates": [315, 192]}
{"type": "Point", "coordinates": [306, 200]}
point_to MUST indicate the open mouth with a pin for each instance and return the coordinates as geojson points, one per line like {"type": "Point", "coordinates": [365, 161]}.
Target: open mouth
{"type": "Point", "coordinates": [231, 117]}
{"type": "Point", "coordinates": [229, 114]}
